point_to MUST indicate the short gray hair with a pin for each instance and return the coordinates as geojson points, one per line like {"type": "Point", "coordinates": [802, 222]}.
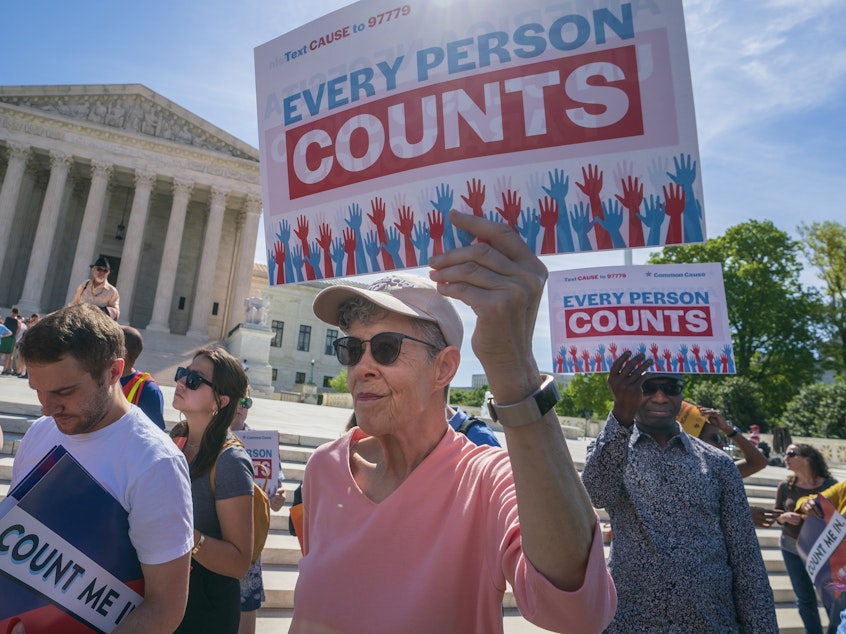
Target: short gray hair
{"type": "Point", "coordinates": [358, 309]}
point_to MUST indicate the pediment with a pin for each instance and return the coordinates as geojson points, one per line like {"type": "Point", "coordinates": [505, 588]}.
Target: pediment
{"type": "Point", "coordinates": [129, 107]}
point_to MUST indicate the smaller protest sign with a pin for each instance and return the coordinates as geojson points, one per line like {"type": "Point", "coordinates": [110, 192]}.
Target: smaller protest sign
{"type": "Point", "coordinates": [263, 449]}
{"type": "Point", "coordinates": [66, 561]}
{"type": "Point", "coordinates": [821, 547]}
{"type": "Point", "coordinates": [674, 314]}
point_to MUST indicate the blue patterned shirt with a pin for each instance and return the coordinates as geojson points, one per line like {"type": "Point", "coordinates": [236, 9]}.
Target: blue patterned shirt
{"type": "Point", "coordinates": [684, 554]}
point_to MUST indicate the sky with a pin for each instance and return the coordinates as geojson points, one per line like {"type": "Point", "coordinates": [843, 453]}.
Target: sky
{"type": "Point", "coordinates": [769, 84]}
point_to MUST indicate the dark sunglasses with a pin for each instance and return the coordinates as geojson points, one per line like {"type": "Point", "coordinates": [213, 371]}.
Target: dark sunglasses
{"type": "Point", "coordinates": [100, 269]}
{"type": "Point", "coordinates": [246, 402]}
{"type": "Point", "coordinates": [793, 454]}
{"type": "Point", "coordinates": [669, 389]}
{"type": "Point", "coordinates": [193, 380]}
{"type": "Point", "coordinates": [384, 347]}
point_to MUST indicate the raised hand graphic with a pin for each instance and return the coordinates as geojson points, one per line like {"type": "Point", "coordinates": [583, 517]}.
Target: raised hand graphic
{"type": "Point", "coordinates": [727, 352]}
{"type": "Point", "coordinates": [653, 219]}
{"type": "Point", "coordinates": [421, 242]}
{"type": "Point", "coordinates": [591, 187]}
{"type": "Point", "coordinates": [337, 255]}
{"type": "Point", "coordinates": [377, 205]}
{"type": "Point", "coordinates": [674, 208]}
{"type": "Point", "coordinates": [325, 241]}
{"type": "Point", "coordinates": [582, 224]}
{"type": "Point", "coordinates": [559, 185]}
{"type": "Point", "coordinates": [613, 222]}
{"type": "Point", "coordinates": [279, 258]}
{"type": "Point", "coordinates": [709, 355]}
{"type": "Point", "coordinates": [392, 245]}
{"type": "Point", "coordinates": [549, 222]}
{"type": "Point", "coordinates": [529, 228]}
{"type": "Point", "coordinates": [354, 218]}
{"type": "Point", "coordinates": [373, 248]}
{"type": "Point", "coordinates": [302, 233]}
{"type": "Point", "coordinates": [406, 226]}
{"type": "Point", "coordinates": [631, 199]}
{"type": "Point", "coordinates": [695, 350]}
{"type": "Point", "coordinates": [351, 249]}
{"type": "Point", "coordinates": [685, 176]}
{"type": "Point", "coordinates": [314, 259]}
{"type": "Point", "coordinates": [600, 350]}
{"type": "Point", "coordinates": [443, 204]}
{"type": "Point", "coordinates": [612, 348]}
{"type": "Point", "coordinates": [271, 266]}
{"type": "Point", "coordinates": [475, 198]}
{"type": "Point", "coordinates": [284, 236]}
{"type": "Point", "coordinates": [668, 360]}
{"type": "Point", "coordinates": [436, 231]}
{"type": "Point", "coordinates": [683, 353]}
{"type": "Point", "coordinates": [297, 261]}
{"type": "Point", "coordinates": [510, 210]}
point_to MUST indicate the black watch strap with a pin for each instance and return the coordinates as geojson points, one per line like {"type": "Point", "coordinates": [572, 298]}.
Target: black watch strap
{"type": "Point", "coordinates": [531, 409]}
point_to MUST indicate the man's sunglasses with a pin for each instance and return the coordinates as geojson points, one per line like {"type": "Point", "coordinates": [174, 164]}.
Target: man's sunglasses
{"type": "Point", "coordinates": [246, 402]}
{"type": "Point", "coordinates": [669, 389]}
{"type": "Point", "coordinates": [193, 380]}
{"type": "Point", "coordinates": [793, 454]}
{"type": "Point", "coordinates": [385, 348]}
{"type": "Point", "coordinates": [100, 269]}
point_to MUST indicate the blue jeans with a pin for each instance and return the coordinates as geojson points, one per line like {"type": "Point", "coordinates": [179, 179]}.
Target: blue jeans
{"type": "Point", "coordinates": [803, 588]}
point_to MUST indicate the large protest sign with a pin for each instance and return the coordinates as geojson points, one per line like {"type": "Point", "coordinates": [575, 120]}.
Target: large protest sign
{"type": "Point", "coordinates": [821, 547]}
{"type": "Point", "coordinates": [572, 122]}
{"type": "Point", "coordinates": [66, 562]}
{"type": "Point", "coordinates": [263, 449]}
{"type": "Point", "coordinates": [675, 314]}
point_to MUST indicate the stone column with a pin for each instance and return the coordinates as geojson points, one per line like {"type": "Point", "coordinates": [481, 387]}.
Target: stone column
{"type": "Point", "coordinates": [42, 247]}
{"type": "Point", "coordinates": [89, 232]}
{"type": "Point", "coordinates": [208, 265]}
{"type": "Point", "coordinates": [18, 156]}
{"type": "Point", "coordinates": [128, 274]}
{"type": "Point", "coordinates": [170, 256]}
{"type": "Point", "coordinates": [245, 258]}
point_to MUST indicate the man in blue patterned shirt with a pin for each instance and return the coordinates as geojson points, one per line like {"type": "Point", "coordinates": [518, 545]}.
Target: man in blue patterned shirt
{"type": "Point", "coordinates": [684, 555]}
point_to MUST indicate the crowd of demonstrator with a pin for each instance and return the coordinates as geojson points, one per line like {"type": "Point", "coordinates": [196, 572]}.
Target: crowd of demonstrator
{"type": "Point", "coordinates": [408, 524]}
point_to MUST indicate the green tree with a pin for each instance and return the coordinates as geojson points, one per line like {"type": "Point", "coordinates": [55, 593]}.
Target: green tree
{"type": "Point", "coordinates": [824, 244]}
{"type": "Point", "coordinates": [473, 398]}
{"type": "Point", "coordinates": [818, 410]}
{"type": "Point", "coordinates": [739, 399]}
{"type": "Point", "coordinates": [773, 334]}
{"type": "Point", "coordinates": [339, 383]}
{"type": "Point", "coordinates": [590, 395]}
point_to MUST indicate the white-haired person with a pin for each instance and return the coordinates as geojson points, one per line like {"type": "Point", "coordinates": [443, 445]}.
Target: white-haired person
{"type": "Point", "coordinates": [409, 526]}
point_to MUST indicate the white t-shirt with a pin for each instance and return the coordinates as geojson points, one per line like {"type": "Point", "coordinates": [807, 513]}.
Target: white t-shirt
{"type": "Point", "coordinates": [138, 464]}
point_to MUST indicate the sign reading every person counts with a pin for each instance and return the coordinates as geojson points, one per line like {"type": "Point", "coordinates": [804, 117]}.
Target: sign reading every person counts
{"type": "Point", "coordinates": [571, 122]}
{"type": "Point", "coordinates": [675, 314]}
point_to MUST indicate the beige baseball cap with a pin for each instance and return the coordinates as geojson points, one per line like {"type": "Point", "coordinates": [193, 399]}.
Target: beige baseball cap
{"type": "Point", "coordinates": [400, 293]}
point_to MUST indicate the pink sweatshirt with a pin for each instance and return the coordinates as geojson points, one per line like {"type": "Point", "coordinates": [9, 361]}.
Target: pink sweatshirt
{"type": "Point", "coordinates": [432, 557]}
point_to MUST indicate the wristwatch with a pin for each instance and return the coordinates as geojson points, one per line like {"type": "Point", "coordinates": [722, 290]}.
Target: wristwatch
{"type": "Point", "coordinates": [531, 409]}
{"type": "Point", "coordinates": [734, 432]}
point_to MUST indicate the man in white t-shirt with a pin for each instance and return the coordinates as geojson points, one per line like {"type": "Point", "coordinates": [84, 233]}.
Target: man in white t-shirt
{"type": "Point", "coordinates": [74, 357]}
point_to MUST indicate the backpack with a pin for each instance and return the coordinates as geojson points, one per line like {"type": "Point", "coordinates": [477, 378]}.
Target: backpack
{"type": "Point", "coordinates": [261, 507]}
{"type": "Point", "coordinates": [132, 390]}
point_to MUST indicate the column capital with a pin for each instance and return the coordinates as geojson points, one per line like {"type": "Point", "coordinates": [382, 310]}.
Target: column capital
{"type": "Point", "coordinates": [101, 168]}
{"type": "Point", "coordinates": [60, 159]}
{"type": "Point", "coordinates": [219, 195]}
{"type": "Point", "coordinates": [182, 186]}
{"type": "Point", "coordinates": [144, 178]}
{"type": "Point", "coordinates": [18, 150]}
{"type": "Point", "coordinates": [252, 205]}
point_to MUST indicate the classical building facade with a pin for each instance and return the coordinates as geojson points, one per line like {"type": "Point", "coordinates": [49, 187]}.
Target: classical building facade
{"type": "Point", "coordinates": [300, 351]}
{"type": "Point", "coordinates": [120, 171]}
